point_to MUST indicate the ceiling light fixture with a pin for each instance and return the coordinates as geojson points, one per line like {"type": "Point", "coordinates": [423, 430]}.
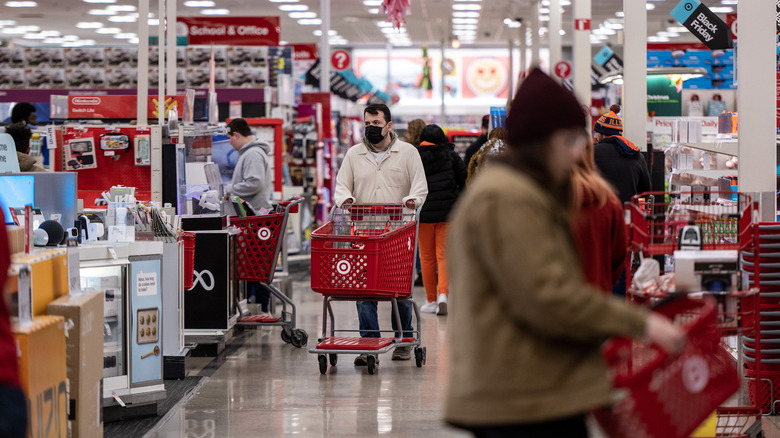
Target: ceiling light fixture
{"type": "Point", "coordinates": [18, 4]}
{"type": "Point", "coordinates": [199, 4]}
{"type": "Point", "coordinates": [99, 1]}
{"type": "Point", "coordinates": [291, 8]}
{"type": "Point", "coordinates": [465, 14]}
{"type": "Point", "coordinates": [53, 40]}
{"type": "Point", "coordinates": [89, 25]}
{"type": "Point", "coordinates": [33, 36]}
{"type": "Point", "coordinates": [7, 23]}
{"type": "Point", "coordinates": [331, 32]}
{"type": "Point", "coordinates": [722, 9]}
{"type": "Point", "coordinates": [310, 21]}
{"type": "Point", "coordinates": [650, 6]}
{"type": "Point", "coordinates": [122, 19]}
{"type": "Point", "coordinates": [108, 30]}
{"type": "Point", "coordinates": [101, 12]}
{"type": "Point", "coordinates": [373, 11]}
{"type": "Point", "coordinates": [372, 2]}
{"type": "Point", "coordinates": [296, 15]}
{"type": "Point", "coordinates": [121, 8]}
{"type": "Point", "coordinates": [465, 26]}
{"type": "Point", "coordinates": [466, 7]}
{"type": "Point", "coordinates": [465, 21]}
{"type": "Point", "coordinates": [384, 24]}
{"type": "Point", "coordinates": [153, 22]}
{"type": "Point", "coordinates": [619, 14]}
{"type": "Point", "coordinates": [283, 1]}
{"type": "Point", "coordinates": [214, 12]}
{"type": "Point", "coordinates": [455, 43]}
{"type": "Point", "coordinates": [125, 36]}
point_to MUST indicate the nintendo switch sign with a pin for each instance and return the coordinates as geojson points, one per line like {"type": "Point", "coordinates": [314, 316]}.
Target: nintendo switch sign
{"type": "Point", "coordinates": [116, 107]}
{"type": "Point", "coordinates": [235, 31]}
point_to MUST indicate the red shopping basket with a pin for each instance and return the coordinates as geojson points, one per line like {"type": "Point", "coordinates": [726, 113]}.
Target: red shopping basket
{"type": "Point", "coordinates": [189, 259]}
{"type": "Point", "coordinates": [669, 396]}
{"type": "Point", "coordinates": [257, 246]}
{"type": "Point", "coordinates": [374, 259]}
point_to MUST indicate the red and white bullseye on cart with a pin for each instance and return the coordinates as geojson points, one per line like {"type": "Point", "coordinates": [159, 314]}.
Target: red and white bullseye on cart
{"type": "Point", "coordinates": [365, 253]}
{"type": "Point", "coordinates": [257, 249]}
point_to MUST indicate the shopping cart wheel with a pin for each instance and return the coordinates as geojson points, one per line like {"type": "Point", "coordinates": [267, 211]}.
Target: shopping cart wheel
{"type": "Point", "coordinates": [371, 362]}
{"type": "Point", "coordinates": [286, 334]}
{"type": "Point", "coordinates": [419, 356]}
{"type": "Point", "coordinates": [334, 358]}
{"type": "Point", "coordinates": [299, 338]}
{"type": "Point", "coordinates": [323, 363]}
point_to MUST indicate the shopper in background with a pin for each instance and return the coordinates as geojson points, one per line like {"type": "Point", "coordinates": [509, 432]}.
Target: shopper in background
{"type": "Point", "coordinates": [446, 176]}
{"type": "Point", "coordinates": [493, 147]}
{"type": "Point", "coordinates": [24, 112]}
{"type": "Point", "coordinates": [22, 134]}
{"type": "Point", "coordinates": [413, 131]}
{"type": "Point", "coordinates": [618, 159]}
{"type": "Point", "coordinates": [381, 169]}
{"type": "Point", "coordinates": [252, 181]}
{"type": "Point", "coordinates": [482, 139]}
{"type": "Point", "coordinates": [525, 329]}
{"type": "Point", "coordinates": [598, 224]}
{"type": "Point", "coordinates": [621, 163]}
{"type": "Point", "coordinates": [13, 406]}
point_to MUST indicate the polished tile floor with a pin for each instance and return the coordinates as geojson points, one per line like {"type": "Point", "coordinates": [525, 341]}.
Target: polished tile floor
{"type": "Point", "coordinates": [266, 388]}
{"type": "Point", "coordinates": [263, 387]}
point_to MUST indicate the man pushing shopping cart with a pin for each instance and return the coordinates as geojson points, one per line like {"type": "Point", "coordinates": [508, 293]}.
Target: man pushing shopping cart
{"type": "Point", "coordinates": [381, 169]}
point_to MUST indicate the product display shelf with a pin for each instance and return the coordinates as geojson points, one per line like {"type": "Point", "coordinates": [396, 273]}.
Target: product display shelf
{"type": "Point", "coordinates": [726, 147]}
{"type": "Point", "coordinates": [711, 174]}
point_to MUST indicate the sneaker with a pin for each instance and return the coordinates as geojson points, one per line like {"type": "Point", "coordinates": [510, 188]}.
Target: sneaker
{"type": "Point", "coordinates": [362, 360]}
{"type": "Point", "coordinates": [402, 353]}
{"type": "Point", "coordinates": [418, 281]}
{"type": "Point", "coordinates": [442, 302]}
{"type": "Point", "coordinates": [431, 307]}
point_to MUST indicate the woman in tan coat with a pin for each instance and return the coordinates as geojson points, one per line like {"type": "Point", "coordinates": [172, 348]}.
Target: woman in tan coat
{"type": "Point", "coordinates": [525, 329]}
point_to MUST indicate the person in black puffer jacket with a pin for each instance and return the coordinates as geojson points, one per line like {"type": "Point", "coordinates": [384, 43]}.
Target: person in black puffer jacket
{"type": "Point", "coordinates": [446, 174]}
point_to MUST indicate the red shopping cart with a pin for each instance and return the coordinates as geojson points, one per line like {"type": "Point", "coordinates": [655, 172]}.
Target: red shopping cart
{"type": "Point", "coordinates": [257, 250]}
{"type": "Point", "coordinates": [365, 253]}
{"type": "Point", "coordinates": [665, 395]}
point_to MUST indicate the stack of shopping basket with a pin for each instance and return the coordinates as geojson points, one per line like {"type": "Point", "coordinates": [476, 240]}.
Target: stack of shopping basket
{"type": "Point", "coordinates": [761, 270]}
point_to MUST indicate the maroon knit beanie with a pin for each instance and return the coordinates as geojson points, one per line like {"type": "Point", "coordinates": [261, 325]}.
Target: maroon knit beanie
{"type": "Point", "coordinates": [540, 107]}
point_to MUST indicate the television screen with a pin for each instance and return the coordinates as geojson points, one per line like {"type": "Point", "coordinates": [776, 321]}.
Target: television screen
{"type": "Point", "coordinates": [17, 191]}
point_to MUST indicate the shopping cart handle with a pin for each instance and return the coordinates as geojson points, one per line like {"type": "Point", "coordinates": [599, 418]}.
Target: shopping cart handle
{"type": "Point", "coordinates": [291, 204]}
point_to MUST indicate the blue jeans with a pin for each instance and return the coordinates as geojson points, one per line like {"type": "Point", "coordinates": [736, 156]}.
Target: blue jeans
{"type": "Point", "coordinates": [367, 316]}
{"type": "Point", "coordinates": [13, 412]}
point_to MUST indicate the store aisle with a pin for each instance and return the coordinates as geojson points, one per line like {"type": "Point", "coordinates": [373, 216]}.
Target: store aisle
{"type": "Point", "coordinates": [265, 388]}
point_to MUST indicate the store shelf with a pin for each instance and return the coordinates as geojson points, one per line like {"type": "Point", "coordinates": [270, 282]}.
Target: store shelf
{"type": "Point", "coordinates": [719, 210]}
{"type": "Point", "coordinates": [713, 174]}
{"type": "Point", "coordinates": [730, 147]}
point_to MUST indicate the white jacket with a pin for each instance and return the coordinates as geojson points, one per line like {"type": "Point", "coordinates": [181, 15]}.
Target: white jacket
{"type": "Point", "coordinates": [398, 178]}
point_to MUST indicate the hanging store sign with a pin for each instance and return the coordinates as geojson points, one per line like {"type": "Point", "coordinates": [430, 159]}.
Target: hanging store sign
{"type": "Point", "coordinates": [608, 59]}
{"type": "Point", "coordinates": [236, 31]}
{"type": "Point", "coordinates": [116, 107]}
{"type": "Point", "coordinates": [703, 24]}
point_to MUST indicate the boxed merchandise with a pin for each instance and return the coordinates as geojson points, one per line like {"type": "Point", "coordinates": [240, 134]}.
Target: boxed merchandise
{"type": "Point", "coordinates": [48, 276]}
{"type": "Point", "coordinates": [15, 239]}
{"type": "Point", "coordinates": [42, 372]}
{"type": "Point", "coordinates": [697, 58]}
{"type": "Point", "coordinates": [84, 358]}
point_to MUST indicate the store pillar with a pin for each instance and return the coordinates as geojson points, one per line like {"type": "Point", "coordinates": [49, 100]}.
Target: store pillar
{"type": "Point", "coordinates": [555, 37]}
{"type": "Point", "coordinates": [635, 72]}
{"type": "Point", "coordinates": [581, 49]}
{"type": "Point", "coordinates": [325, 47]}
{"type": "Point", "coordinates": [535, 33]}
{"type": "Point", "coordinates": [756, 68]}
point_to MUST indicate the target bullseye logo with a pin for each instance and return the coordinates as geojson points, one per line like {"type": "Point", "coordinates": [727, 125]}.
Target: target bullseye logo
{"type": "Point", "coordinates": [695, 374]}
{"type": "Point", "coordinates": [343, 267]}
{"type": "Point", "coordinates": [264, 233]}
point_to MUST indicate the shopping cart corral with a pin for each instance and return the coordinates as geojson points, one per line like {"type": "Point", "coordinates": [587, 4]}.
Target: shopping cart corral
{"type": "Point", "coordinates": [258, 243]}
{"type": "Point", "coordinates": [365, 253]}
{"type": "Point", "coordinates": [699, 241]}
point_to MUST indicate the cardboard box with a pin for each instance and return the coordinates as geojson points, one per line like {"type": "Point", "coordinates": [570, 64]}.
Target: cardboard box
{"type": "Point", "coordinates": [42, 372]}
{"type": "Point", "coordinates": [84, 357]}
{"type": "Point", "coordinates": [48, 276]}
{"type": "Point", "coordinates": [15, 239]}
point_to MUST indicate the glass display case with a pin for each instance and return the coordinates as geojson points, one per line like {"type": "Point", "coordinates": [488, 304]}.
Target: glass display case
{"type": "Point", "coordinates": [112, 281]}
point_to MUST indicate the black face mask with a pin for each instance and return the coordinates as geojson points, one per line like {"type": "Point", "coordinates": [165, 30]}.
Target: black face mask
{"type": "Point", "coordinates": [374, 134]}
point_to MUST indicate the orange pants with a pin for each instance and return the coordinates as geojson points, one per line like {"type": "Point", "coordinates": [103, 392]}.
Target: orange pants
{"type": "Point", "coordinates": [432, 240]}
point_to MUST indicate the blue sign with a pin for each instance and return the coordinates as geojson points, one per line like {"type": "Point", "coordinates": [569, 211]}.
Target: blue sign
{"type": "Point", "coordinates": [603, 56]}
{"type": "Point", "coordinates": [146, 339]}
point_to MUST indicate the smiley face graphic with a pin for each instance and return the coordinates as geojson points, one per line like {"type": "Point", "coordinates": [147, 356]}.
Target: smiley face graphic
{"type": "Point", "coordinates": [486, 76]}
